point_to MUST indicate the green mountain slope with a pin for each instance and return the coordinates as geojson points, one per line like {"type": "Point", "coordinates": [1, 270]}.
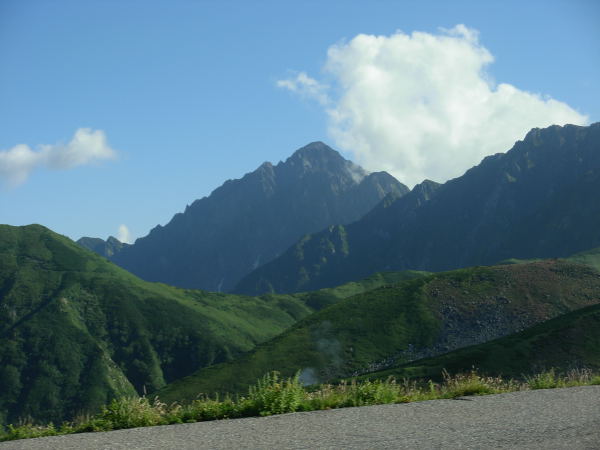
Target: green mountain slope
{"type": "Point", "coordinates": [538, 200]}
{"type": "Point", "coordinates": [407, 321]}
{"type": "Point", "coordinates": [570, 341]}
{"type": "Point", "coordinates": [76, 330]}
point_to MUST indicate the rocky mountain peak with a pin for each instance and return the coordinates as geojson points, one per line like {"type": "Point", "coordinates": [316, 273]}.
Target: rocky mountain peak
{"type": "Point", "coordinates": [313, 149]}
{"type": "Point", "coordinates": [249, 221]}
{"type": "Point", "coordinates": [315, 154]}
{"type": "Point", "coordinates": [426, 188]}
{"type": "Point", "coordinates": [319, 157]}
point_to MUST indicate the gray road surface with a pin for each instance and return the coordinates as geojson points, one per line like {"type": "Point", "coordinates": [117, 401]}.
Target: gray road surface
{"type": "Point", "coordinates": [543, 419]}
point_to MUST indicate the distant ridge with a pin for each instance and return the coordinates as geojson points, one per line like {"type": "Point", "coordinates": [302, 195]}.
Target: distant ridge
{"type": "Point", "coordinates": [107, 248]}
{"type": "Point", "coordinates": [247, 222]}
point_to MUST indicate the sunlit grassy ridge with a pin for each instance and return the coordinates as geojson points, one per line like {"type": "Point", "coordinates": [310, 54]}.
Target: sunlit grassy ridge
{"type": "Point", "coordinates": [406, 321]}
{"type": "Point", "coordinates": [589, 257]}
{"type": "Point", "coordinates": [273, 394]}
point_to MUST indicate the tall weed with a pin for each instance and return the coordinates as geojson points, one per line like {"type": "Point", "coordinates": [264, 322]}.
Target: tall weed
{"type": "Point", "coordinates": [274, 394]}
{"type": "Point", "coordinates": [130, 412]}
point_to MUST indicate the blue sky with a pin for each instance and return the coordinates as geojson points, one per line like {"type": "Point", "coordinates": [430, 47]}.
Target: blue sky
{"type": "Point", "coordinates": [172, 98]}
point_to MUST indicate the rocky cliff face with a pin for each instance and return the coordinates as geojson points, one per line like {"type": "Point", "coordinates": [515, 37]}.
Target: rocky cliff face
{"type": "Point", "coordinates": [247, 222]}
{"type": "Point", "coordinates": [537, 200]}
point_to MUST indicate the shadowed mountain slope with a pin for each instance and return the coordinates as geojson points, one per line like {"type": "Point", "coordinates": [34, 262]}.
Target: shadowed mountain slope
{"type": "Point", "coordinates": [247, 222]}
{"type": "Point", "coordinates": [537, 200]}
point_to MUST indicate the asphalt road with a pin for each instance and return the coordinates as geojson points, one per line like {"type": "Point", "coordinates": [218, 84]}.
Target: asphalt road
{"type": "Point", "coordinates": [543, 419]}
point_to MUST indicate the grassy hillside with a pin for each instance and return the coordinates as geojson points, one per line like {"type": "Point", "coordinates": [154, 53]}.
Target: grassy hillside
{"type": "Point", "coordinates": [328, 296]}
{"type": "Point", "coordinates": [407, 321]}
{"type": "Point", "coordinates": [76, 330]}
{"type": "Point", "coordinates": [570, 341]}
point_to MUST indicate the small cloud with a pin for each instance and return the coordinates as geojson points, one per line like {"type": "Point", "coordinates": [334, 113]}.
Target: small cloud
{"type": "Point", "coordinates": [306, 86]}
{"type": "Point", "coordinates": [86, 147]}
{"type": "Point", "coordinates": [124, 235]}
{"type": "Point", "coordinates": [17, 163]}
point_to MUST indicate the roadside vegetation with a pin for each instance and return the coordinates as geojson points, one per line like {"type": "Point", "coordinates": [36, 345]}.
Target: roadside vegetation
{"type": "Point", "coordinates": [273, 394]}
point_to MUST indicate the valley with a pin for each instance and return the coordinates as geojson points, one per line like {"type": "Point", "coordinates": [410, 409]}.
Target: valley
{"type": "Point", "coordinates": [407, 321]}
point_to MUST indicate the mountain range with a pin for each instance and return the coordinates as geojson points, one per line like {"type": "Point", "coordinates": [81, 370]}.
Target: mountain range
{"type": "Point", "coordinates": [247, 222]}
{"type": "Point", "coordinates": [351, 274]}
{"type": "Point", "coordinates": [538, 200]}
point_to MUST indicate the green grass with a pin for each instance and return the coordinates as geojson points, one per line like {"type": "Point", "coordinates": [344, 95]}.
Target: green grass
{"type": "Point", "coordinates": [273, 394]}
{"type": "Point", "coordinates": [377, 328]}
{"type": "Point", "coordinates": [345, 335]}
{"type": "Point", "coordinates": [77, 331]}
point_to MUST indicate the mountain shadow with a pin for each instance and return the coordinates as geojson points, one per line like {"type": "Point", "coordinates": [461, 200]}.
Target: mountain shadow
{"type": "Point", "coordinates": [248, 222]}
{"type": "Point", "coordinates": [538, 200]}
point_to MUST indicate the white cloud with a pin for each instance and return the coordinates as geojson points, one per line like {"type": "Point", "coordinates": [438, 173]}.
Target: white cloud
{"type": "Point", "coordinates": [422, 105]}
{"type": "Point", "coordinates": [87, 146]}
{"type": "Point", "coordinates": [306, 86]}
{"type": "Point", "coordinates": [124, 235]}
{"type": "Point", "coordinates": [17, 163]}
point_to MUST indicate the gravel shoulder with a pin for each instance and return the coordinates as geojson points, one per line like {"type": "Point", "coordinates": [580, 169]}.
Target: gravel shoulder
{"type": "Point", "coordinates": [541, 419]}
